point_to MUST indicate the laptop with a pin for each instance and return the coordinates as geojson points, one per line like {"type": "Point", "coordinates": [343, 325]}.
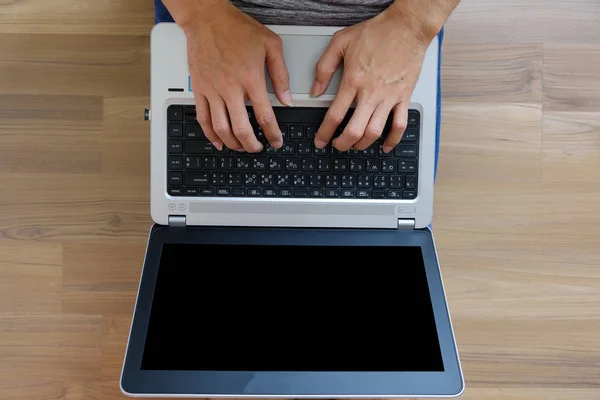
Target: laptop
{"type": "Point", "coordinates": [290, 273]}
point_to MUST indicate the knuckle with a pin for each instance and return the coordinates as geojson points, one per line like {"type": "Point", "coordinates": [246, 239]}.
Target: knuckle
{"type": "Point", "coordinates": [353, 132]}
{"type": "Point", "coordinates": [354, 78]}
{"type": "Point", "coordinates": [399, 125]}
{"type": "Point", "coordinates": [374, 132]}
{"type": "Point", "coordinates": [221, 129]}
{"type": "Point", "coordinates": [242, 132]}
{"type": "Point", "coordinates": [265, 118]}
{"type": "Point", "coordinates": [335, 116]}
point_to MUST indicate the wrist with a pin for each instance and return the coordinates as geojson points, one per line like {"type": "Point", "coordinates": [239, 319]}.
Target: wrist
{"type": "Point", "coordinates": [187, 13]}
{"type": "Point", "coordinates": [425, 17]}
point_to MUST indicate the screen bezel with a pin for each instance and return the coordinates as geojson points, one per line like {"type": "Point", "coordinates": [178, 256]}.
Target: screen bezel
{"type": "Point", "coordinates": [138, 382]}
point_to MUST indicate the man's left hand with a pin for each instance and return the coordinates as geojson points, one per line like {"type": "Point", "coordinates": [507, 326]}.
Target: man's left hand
{"type": "Point", "coordinates": [382, 60]}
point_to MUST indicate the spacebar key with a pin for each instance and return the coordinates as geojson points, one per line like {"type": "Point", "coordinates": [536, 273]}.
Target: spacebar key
{"type": "Point", "coordinates": [198, 147]}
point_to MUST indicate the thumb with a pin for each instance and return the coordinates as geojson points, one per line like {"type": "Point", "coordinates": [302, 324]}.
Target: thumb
{"type": "Point", "coordinates": [279, 73]}
{"type": "Point", "coordinates": [327, 65]}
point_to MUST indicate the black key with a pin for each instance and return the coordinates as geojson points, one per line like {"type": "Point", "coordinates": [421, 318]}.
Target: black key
{"type": "Point", "coordinates": [311, 131]}
{"type": "Point", "coordinates": [410, 182]}
{"type": "Point", "coordinates": [316, 193]}
{"type": "Point", "coordinates": [405, 150]}
{"type": "Point", "coordinates": [348, 180]}
{"type": "Point", "coordinates": [325, 165]}
{"type": "Point", "coordinates": [191, 118]}
{"type": "Point", "coordinates": [175, 191]}
{"type": "Point", "coordinates": [383, 153]}
{"type": "Point", "coordinates": [192, 191]}
{"type": "Point", "coordinates": [175, 162]}
{"type": "Point", "coordinates": [348, 193]}
{"type": "Point", "coordinates": [175, 146]}
{"type": "Point", "coordinates": [228, 163]}
{"type": "Point", "coordinates": [364, 181]}
{"type": "Point", "coordinates": [207, 192]}
{"type": "Point", "coordinates": [288, 148]}
{"type": "Point", "coordinates": [378, 194]}
{"type": "Point", "coordinates": [409, 194]}
{"type": "Point", "coordinates": [211, 163]}
{"type": "Point", "coordinates": [413, 118]}
{"type": "Point", "coordinates": [259, 163]}
{"type": "Point", "coordinates": [332, 193]}
{"type": "Point", "coordinates": [407, 166]}
{"type": "Point", "coordinates": [340, 165]}
{"type": "Point", "coordinates": [396, 181]}
{"type": "Point", "coordinates": [193, 162]}
{"type": "Point", "coordinates": [371, 151]}
{"type": "Point", "coordinates": [299, 180]}
{"type": "Point", "coordinates": [380, 181]}
{"type": "Point", "coordinates": [175, 130]}
{"type": "Point", "coordinates": [336, 152]}
{"type": "Point", "coordinates": [372, 165]}
{"type": "Point", "coordinates": [305, 148]}
{"type": "Point", "coordinates": [254, 192]}
{"type": "Point", "coordinates": [197, 178]}
{"type": "Point", "coordinates": [315, 180]}
{"type": "Point", "coordinates": [389, 165]}
{"type": "Point", "coordinates": [271, 150]}
{"type": "Point", "coordinates": [286, 192]}
{"type": "Point", "coordinates": [267, 179]}
{"type": "Point", "coordinates": [223, 150]}
{"type": "Point", "coordinates": [393, 194]}
{"type": "Point", "coordinates": [292, 164]}
{"type": "Point", "coordinates": [296, 132]}
{"type": "Point", "coordinates": [270, 192]}
{"type": "Point", "coordinates": [410, 135]}
{"type": "Point", "coordinates": [320, 152]}
{"type": "Point", "coordinates": [223, 192]}
{"type": "Point", "coordinates": [332, 180]}
{"type": "Point", "coordinates": [239, 192]}
{"type": "Point", "coordinates": [175, 113]}
{"type": "Point", "coordinates": [175, 178]}
{"type": "Point", "coordinates": [191, 109]}
{"type": "Point", "coordinates": [250, 179]}
{"type": "Point", "coordinates": [309, 164]}
{"type": "Point", "coordinates": [284, 179]}
{"type": "Point", "coordinates": [193, 131]}
{"type": "Point", "coordinates": [357, 165]}
{"type": "Point", "coordinates": [196, 146]}
{"type": "Point", "coordinates": [235, 179]}
{"type": "Point", "coordinates": [219, 179]}
{"type": "Point", "coordinates": [284, 131]}
{"type": "Point", "coordinates": [243, 163]}
{"type": "Point", "coordinates": [300, 192]}
{"type": "Point", "coordinates": [363, 194]}
{"type": "Point", "coordinates": [275, 163]}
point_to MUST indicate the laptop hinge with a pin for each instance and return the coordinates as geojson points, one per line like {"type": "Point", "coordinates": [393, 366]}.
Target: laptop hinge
{"type": "Point", "coordinates": [406, 223]}
{"type": "Point", "coordinates": [176, 220]}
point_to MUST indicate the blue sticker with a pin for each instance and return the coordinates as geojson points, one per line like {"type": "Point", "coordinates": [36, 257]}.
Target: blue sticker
{"type": "Point", "coordinates": [189, 83]}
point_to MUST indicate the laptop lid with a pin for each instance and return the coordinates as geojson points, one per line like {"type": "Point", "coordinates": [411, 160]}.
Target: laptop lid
{"type": "Point", "coordinates": [263, 312]}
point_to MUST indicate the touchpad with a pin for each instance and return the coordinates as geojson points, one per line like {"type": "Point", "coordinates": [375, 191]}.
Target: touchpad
{"type": "Point", "coordinates": [301, 54]}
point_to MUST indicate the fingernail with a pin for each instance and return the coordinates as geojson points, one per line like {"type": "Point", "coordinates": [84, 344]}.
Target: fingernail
{"type": "Point", "coordinates": [277, 144]}
{"type": "Point", "coordinates": [287, 98]}
{"type": "Point", "coordinates": [259, 148]}
{"type": "Point", "coordinates": [387, 149]}
{"type": "Point", "coordinates": [316, 89]}
{"type": "Point", "coordinates": [320, 144]}
{"type": "Point", "coordinates": [218, 145]}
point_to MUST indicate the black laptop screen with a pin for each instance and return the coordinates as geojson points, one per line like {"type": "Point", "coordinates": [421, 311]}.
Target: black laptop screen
{"type": "Point", "coordinates": [291, 308]}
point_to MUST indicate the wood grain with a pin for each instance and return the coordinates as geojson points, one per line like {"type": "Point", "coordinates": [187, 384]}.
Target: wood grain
{"type": "Point", "coordinates": [517, 202]}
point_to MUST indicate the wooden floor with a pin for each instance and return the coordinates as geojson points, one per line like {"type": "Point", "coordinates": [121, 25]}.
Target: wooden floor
{"type": "Point", "coordinates": [517, 211]}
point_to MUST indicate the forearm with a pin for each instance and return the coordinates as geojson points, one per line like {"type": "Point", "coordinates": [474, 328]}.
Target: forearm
{"type": "Point", "coordinates": [183, 11]}
{"type": "Point", "coordinates": [429, 15]}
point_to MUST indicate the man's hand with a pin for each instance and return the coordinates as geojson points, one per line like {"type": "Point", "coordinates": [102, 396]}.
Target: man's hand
{"type": "Point", "coordinates": [227, 52]}
{"type": "Point", "coordinates": [382, 60]}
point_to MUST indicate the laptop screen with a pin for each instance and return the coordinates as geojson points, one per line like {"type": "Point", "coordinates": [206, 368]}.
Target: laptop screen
{"type": "Point", "coordinates": [291, 308]}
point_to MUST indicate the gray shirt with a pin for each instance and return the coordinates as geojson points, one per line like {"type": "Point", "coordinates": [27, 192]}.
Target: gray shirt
{"type": "Point", "coordinates": [312, 12]}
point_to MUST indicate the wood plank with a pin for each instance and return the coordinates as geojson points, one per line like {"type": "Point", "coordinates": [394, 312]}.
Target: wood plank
{"type": "Point", "coordinates": [74, 65]}
{"type": "Point", "coordinates": [491, 73]}
{"type": "Point", "coordinates": [572, 77]}
{"type": "Point", "coordinates": [76, 17]}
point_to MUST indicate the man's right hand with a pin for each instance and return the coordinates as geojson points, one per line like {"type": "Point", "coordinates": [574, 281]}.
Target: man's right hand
{"type": "Point", "coordinates": [227, 52]}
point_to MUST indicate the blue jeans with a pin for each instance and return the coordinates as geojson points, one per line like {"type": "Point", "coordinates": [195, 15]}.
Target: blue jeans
{"type": "Point", "coordinates": [161, 14]}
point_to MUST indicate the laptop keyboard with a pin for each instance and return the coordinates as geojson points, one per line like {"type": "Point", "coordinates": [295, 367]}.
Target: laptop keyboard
{"type": "Point", "coordinates": [297, 170]}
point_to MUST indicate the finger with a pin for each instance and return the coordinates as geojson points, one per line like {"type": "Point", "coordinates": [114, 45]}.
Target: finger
{"type": "Point", "coordinates": [265, 116]}
{"type": "Point", "coordinates": [375, 126]}
{"type": "Point", "coordinates": [398, 127]}
{"type": "Point", "coordinates": [355, 129]}
{"type": "Point", "coordinates": [278, 71]}
{"type": "Point", "coordinates": [221, 125]}
{"type": "Point", "coordinates": [327, 65]}
{"type": "Point", "coordinates": [240, 125]}
{"type": "Point", "coordinates": [204, 119]}
{"type": "Point", "coordinates": [334, 116]}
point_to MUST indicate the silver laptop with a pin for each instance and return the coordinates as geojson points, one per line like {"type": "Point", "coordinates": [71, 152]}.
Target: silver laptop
{"type": "Point", "coordinates": [291, 273]}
